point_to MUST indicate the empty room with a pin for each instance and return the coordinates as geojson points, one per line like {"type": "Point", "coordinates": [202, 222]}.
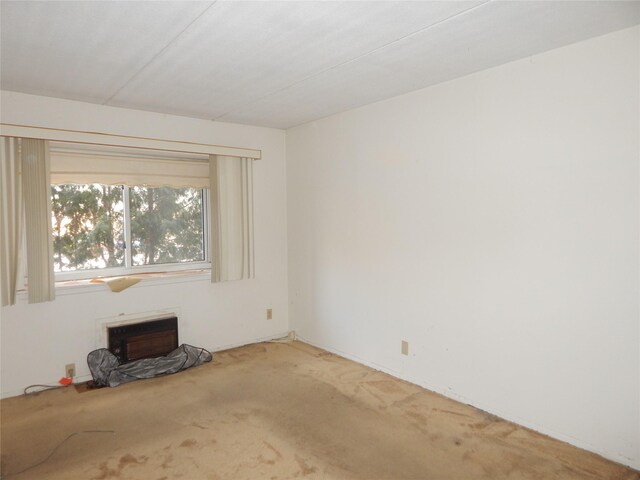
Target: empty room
{"type": "Point", "coordinates": [339, 240]}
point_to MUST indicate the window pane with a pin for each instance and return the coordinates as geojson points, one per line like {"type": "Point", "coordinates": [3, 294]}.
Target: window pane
{"type": "Point", "coordinates": [166, 225]}
{"type": "Point", "coordinates": [88, 226]}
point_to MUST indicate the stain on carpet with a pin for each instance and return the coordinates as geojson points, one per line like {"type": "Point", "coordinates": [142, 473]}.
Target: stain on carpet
{"type": "Point", "coordinates": [305, 469]}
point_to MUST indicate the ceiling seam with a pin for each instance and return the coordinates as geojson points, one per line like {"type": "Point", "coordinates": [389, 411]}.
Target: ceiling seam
{"type": "Point", "coordinates": [346, 62]}
{"type": "Point", "coordinates": [159, 53]}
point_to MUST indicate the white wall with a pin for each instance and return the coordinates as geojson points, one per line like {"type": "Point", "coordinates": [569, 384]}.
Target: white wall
{"type": "Point", "coordinates": [492, 222]}
{"type": "Point", "coordinates": [38, 340]}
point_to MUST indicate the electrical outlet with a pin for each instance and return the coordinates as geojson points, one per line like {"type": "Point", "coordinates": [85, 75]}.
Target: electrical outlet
{"type": "Point", "coordinates": [70, 370]}
{"type": "Point", "coordinates": [269, 314]}
{"type": "Point", "coordinates": [404, 348]}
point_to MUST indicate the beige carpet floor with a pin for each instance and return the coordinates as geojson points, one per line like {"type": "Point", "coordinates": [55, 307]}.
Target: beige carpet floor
{"type": "Point", "coordinates": [276, 411]}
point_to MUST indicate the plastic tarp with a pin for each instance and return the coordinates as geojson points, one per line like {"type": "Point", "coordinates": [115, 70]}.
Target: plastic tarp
{"type": "Point", "coordinates": [107, 371]}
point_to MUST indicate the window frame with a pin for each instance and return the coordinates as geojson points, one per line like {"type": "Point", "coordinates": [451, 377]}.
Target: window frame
{"type": "Point", "coordinates": [128, 268]}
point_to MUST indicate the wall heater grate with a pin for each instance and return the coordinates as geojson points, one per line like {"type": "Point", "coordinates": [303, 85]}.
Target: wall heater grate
{"type": "Point", "coordinates": [149, 339]}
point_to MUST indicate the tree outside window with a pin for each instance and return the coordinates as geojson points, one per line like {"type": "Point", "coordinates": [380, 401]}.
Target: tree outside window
{"type": "Point", "coordinates": [96, 226]}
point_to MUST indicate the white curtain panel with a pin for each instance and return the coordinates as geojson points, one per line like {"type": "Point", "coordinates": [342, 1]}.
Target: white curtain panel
{"type": "Point", "coordinates": [231, 218]}
{"type": "Point", "coordinates": [36, 188]}
{"type": "Point", "coordinates": [11, 217]}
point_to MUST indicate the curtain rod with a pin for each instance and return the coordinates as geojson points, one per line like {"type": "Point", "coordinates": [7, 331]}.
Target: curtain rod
{"type": "Point", "coordinates": [100, 138]}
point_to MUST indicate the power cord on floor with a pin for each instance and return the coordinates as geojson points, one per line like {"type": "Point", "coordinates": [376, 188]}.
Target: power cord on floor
{"type": "Point", "coordinates": [54, 451]}
{"type": "Point", "coordinates": [42, 387]}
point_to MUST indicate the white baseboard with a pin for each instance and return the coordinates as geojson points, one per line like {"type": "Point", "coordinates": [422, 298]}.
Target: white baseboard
{"type": "Point", "coordinates": [86, 377]}
{"type": "Point", "coordinates": [449, 393]}
{"type": "Point", "coordinates": [15, 393]}
{"type": "Point", "coordinates": [445, 391]}
{"type": "Point", "coordinates": [257, 340]}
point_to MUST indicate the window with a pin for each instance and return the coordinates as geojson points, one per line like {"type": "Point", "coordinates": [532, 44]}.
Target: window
{"type": "Point", "coordinates": [116, 229]}
{"type": "Point", "coordinates": [135, 204]}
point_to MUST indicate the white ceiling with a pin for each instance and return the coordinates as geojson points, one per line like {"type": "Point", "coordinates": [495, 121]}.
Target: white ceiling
{"type": "Point", "coordinates": [276, 64]}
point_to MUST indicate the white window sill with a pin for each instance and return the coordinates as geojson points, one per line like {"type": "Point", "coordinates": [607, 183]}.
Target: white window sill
{"type": "Point", "coordinates": [73, 287]}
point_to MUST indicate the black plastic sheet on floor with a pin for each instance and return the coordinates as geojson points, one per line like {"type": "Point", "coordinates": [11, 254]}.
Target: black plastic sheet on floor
{"type": "Point", "coordinates": [107, 371]}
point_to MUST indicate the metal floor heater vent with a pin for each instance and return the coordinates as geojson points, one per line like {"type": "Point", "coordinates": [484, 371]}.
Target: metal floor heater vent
{"type": "Point", "coordinates": [148, 339]}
